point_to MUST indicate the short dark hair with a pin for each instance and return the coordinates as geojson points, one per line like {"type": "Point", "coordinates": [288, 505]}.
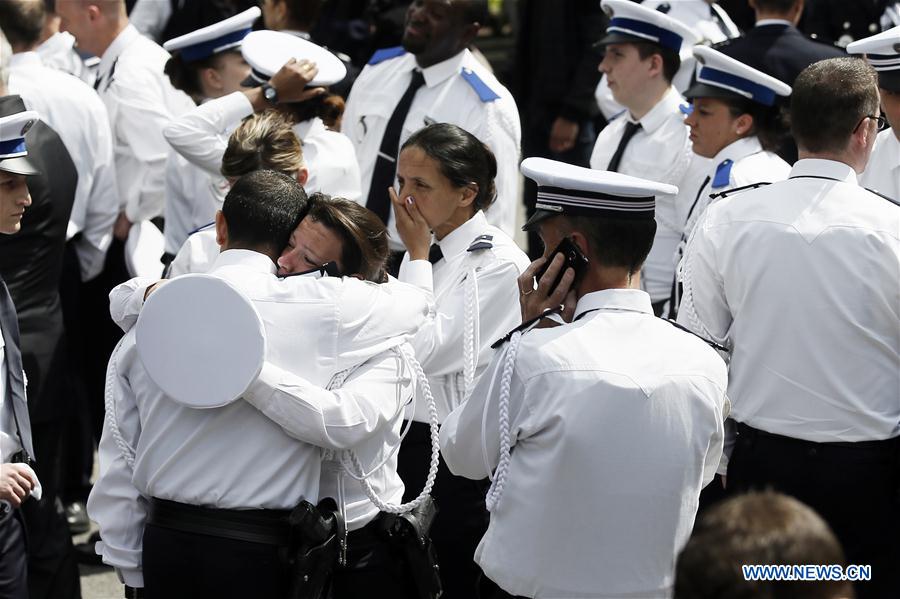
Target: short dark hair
{"type": "Point", "coordinates": [22, 21]}
{"type": "Point", "coordinates": [262, 209]}
{"type": "Point", "coordinates": [670, 58]}
{"type": "Point", "coordinates": [185, 75]}
{"type": "Point", "coordinates": [770, 123]}
{"type": "Point", "coordinates": [614, 242]}
{"type": "Point", "coordinates": [829, 99]}
{"type": "Point", "coordinates": [364, 237]}
{"type": "Point", "coordinates": [764, 528]}
{"type": "Point", "coordinates": [462, 158]}
{"type": "Point", "coordinates": [776, 6]}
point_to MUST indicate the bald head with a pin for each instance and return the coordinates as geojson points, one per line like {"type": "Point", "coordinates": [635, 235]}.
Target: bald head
{"type": "Point", "coordinates": [94, 23]}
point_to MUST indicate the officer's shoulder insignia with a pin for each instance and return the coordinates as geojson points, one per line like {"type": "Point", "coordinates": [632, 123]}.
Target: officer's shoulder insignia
{"type": "Point", "coordinates": [723, 174]}
{"type": "Point", "coordinates": [482, 242]}
{"type": "Point", "coordinates": [202, 228]}
{"type": "Point", "coordinates": [525, 326]}
{"type": "Point", "coordinates": [710, 343]}
{"type": "Point", "coordinates": [485, 93]}
{"type": "Point", "coordinates": [729, 192]}
{"type": "Point", "coordinates": [881, 195]}
{"type": "Point", "coordinates": [386, 54]}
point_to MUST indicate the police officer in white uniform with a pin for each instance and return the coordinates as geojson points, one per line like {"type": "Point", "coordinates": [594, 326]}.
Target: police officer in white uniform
{"type": "Point", "coordinates": [209, 464]}
{"type": "Point", "coordinates": [650, 140]}
{"type": "Point", "coordinates": [78, 116]}
{"type": "Point", "coordinates": [882, 172]}
{"type": "Point", "coordinates": [432, 78]}
{"type": "Point", "coordinates": [18, 480]}
{"type": "Point", "coordinates": [735, 119]}
{"type": "Point", "coordinates": [201, 135]}
{"type": "Point", "coordinates": [600, 427]}
{"type": "Point", "coordinates": [205, 64]}
{"type": "Point", "coordinates": [799, 280]}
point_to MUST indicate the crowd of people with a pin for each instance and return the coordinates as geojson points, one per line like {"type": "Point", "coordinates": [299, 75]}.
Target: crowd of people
{"type": "Point", "coordinates": [261, 261]}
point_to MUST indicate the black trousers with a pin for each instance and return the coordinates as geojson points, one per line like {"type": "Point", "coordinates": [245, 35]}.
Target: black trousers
{"type": "Point", "coordinates": [13, 562]}
{"type": "Point", "coordinates": [461, 520]}
{"type": "Point", "coordinates": [182, 565]}
{"type": "Point", "coordinates": [374, 568]}
{"type": "Point", "coordinates": [855, 489]}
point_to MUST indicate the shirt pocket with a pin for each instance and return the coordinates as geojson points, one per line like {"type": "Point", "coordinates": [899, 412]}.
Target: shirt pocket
{"type": "Point", "coordinates": [374, 117]}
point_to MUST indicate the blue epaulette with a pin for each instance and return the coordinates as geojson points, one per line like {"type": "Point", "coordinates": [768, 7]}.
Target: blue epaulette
{"type": "Point", "coordinates": [386, 54]}
{"type": "Point", "coordinates": [482, 242]}
{"type": "Point", "coordinates": [723, 174]}
{"type": "Point", "coordinates": [484, 92]}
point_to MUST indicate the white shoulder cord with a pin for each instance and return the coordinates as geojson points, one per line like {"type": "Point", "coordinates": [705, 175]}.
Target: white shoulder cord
{"type": "Point", "coordinates": [471, 331]}
{"type": "Point", "coordinates": [353, 466]}
{"type": "Point", "coordinates": [110, 404]}
{"type": "Point", "coordinates": [500, 474]}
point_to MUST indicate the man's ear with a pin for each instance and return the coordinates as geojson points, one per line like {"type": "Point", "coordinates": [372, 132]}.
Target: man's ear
{"type": "Point", "coordinates": [656, 64]}
{"type": "Point", "coordinates": [221, 230]}
{"type": "Point", "coordinates": [581, 241]}
{"type": "Point", "coordinates": [302, 175]}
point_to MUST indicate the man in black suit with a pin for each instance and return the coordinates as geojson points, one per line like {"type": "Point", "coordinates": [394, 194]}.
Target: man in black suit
{"type": "Point", "coordinates": [776, 47]}
{"type": "Point", "coordinates": [31, 265]}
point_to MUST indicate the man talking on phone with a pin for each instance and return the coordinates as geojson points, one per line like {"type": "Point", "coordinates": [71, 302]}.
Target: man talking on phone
{"type": "Point", "coordinates": [598, 422]}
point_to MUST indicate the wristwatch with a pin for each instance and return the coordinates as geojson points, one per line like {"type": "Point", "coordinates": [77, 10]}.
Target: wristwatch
{"type": "Point", "coordinates": [269, 93]}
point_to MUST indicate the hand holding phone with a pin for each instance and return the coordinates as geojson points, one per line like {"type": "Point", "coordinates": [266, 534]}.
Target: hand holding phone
{"type": "Point", "coordinates": [574, 259]}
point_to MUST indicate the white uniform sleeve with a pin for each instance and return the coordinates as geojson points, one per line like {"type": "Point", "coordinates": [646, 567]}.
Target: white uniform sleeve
{"type": "Point", "coordinates": [375, 318]}
{"type": "Point", "coordinates": [114, 503]}
{"type": "Point", "coordinates": [470, 435]}
{"type": "Point", "coordinates": [178, 204]}
{"type": "Point", "coordinates": [500, 130]}
{"type": "Point", "coordinates": [439, 343]}
{"type": "Point", "coordinates": [369, 400]}
{"type": "Point", "coordinates": [126, 300]}
{"type": "Point", "coordinates": [150, 17]}
{"type": "Point", "coordinates": [201, 134]}
{"type": "Point", "coordinates": [704, 308]}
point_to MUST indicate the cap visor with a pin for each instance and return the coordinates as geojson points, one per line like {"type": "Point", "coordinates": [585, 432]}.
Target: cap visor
{"type": "Point", "coordinates": [704, 90]}
{"type": "Point", "coordinates": [617, 37]}
{"type": "Point", "coordinates": [18, 166]}
{"type": "Point", "coordinates": [889, 80]}
{"type": "Point", "coordinates": [538, 216]}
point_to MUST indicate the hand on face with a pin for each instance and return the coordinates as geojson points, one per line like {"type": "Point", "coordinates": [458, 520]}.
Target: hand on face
{"type": "Point", "coordinates": [411, 226]}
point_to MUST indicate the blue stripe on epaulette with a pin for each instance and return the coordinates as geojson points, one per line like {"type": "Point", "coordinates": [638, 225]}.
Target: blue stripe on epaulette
{"type": "Point", "coordinates": [202, 228]}
{"type": "Point", "coordinates": [723, 174]}
{"type": "Point", "coordinates": [482, 242]}
{"type": "Point", "coordinates": [484, 92]}
{"type": "Point", "coordinates": [386, 54]}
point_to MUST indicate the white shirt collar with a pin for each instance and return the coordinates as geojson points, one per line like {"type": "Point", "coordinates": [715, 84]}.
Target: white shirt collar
{"type": "Point", "coordinates": [440, 72]}
{"type": "Point", "coordinates": [460, 238]}
{"type": "Point", "coordinates": [122, 41]}
{"type": "Point", "coordinates": [764, 22]}
{"type": "Point", "coordinates": [25, 59]}
{"type": "Point", "coordinates": [661, 112]}
{"type": "Point", "coordinates": [313, 127]}
{"type": "Point", "coordinates": [738, 149]}
{"type": "Point", "coordinates": [246, 258]}
{"type": "Point", "coordinates": [624, 300]}
{"type": "Point", "coordinates": [819, 167]}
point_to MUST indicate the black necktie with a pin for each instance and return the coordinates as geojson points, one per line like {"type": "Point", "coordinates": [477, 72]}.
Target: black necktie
{"type": "Point", "coordinates": [435, 254]}
{"type": "Point", "coordinates": [15, 382]}
{"type": "Point", "coordinates": [630, 130]}
{"type": "Point", "coordinates": [379, 201]}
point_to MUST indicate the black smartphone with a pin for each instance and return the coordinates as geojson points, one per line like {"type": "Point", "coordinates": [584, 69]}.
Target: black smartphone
{"type": "Point", "coordinates": [574, 258]}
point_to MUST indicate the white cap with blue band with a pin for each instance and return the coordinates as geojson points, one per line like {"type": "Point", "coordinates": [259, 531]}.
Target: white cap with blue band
{"type": "Point", "coordinates": [631, 22]}
{"type": "Point", "coordinates": [722, 76]}
{"type": "Point", "coordinates": [883, 53]}
{"type": "Point", "coordinates": [13, 151]}
{"type": "Point", "coordinates": [215, 38]}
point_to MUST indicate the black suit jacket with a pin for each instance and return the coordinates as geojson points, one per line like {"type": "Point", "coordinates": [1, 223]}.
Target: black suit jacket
{"type": "Point", "coordinates": [31, 264]}
{"type": "Point", "coordinates": [781, 51]}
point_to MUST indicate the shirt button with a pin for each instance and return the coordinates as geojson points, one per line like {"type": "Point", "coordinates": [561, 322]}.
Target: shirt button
{"type": "Point", "coordinates": [873, 27]}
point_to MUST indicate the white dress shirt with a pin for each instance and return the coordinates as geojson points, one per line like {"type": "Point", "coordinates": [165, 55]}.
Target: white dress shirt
{"type": "Point", "coordinates": [58, 52]}
{"type": "Point", "coordinates": [659, 151]}
{"type": "Point", "coordinates": [882, 172]}
{"type": "Point", "coordinates": [201, 136]}
{"type": "Point", "coordinates": [446, 97]}
{"type": "Point", "coordinates": [77, 115]}
{"type": "Point", "coordinates": [192, 198]}
{"type": "Point", "coordinates": [800, 279]}
{"type": "Point", "coordinates": [439, 345]}
{"type": "Point", "coordinates": [140, 101]}
{"type": "Point", "coordinates": [616, 423]}
{"type": "Point", "coordinates": [235, 457]}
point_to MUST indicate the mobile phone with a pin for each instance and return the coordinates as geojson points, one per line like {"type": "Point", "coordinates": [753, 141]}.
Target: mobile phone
{"type": "Point", "coordinates": [574, 258]}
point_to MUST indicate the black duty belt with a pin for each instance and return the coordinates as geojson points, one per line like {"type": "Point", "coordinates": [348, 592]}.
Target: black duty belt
{"type": "Point", "coordinates": [887, 445]}
{"type": "Point", "coordinates": [269, 527]}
